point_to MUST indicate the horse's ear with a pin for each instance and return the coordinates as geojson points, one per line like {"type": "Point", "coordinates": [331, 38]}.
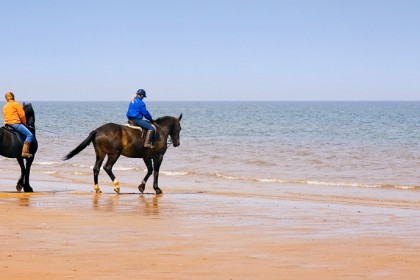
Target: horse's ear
{"type": "Point", "coordinates": [180, 117]}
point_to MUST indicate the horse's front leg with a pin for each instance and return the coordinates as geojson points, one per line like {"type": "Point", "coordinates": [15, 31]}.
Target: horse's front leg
{"type": "Point", "coordinates": [149, 166]}
{"type": "Point", "coordinates": [157, 162]}
{"type": "Point", "coordinates": [21, 181]}
{"type": "Point", "coordinates": [26, 186]}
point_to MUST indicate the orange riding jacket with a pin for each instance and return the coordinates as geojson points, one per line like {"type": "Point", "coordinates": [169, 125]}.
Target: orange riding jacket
{"type": "Point", "coordinates": [13, 113]}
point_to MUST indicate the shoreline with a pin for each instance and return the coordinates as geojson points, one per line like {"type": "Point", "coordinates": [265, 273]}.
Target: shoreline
{"type": "Point", "coordinates": [191, 232]}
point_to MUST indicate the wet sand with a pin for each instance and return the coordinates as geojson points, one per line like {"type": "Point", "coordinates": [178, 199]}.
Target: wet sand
{"type": "Point", "coordinates": [199, 231]}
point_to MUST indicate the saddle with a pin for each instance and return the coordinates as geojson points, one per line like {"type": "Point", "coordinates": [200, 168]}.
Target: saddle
{"type": "Point", "coordinates": [133, 125]}
{"type": "Point", "coordinates": [9, 129]}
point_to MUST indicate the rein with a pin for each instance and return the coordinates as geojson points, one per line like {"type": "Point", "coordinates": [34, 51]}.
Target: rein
{"type": "Point", "coordinates": [42, 129]}
{"type": "Point", "coordinates": [168, 143]}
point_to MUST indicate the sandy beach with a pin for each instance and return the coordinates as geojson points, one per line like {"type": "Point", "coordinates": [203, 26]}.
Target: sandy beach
{"type": "Point", "coordinates": [197, 230]}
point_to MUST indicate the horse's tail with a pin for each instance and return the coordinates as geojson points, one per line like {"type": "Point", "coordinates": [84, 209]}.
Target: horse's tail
{"type": "Point", "coordinates": [81, 146]}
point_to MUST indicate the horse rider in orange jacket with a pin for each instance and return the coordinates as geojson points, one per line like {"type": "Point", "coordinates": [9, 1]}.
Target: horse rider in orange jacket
{"type": "Point", "coordinates": [14, 116]}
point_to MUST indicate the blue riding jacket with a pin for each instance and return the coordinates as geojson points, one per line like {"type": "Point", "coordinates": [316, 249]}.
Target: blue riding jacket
{"type": "Point", "coordinates": [137, 110]}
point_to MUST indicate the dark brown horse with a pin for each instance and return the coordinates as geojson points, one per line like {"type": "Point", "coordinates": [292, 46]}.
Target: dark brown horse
{"type": "Point", "coordinates": [113, 140]}
{"type": "Point", "coordinates": [11, 147]}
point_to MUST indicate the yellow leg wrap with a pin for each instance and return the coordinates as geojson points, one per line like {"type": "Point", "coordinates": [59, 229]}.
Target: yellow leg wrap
{"type": "Point", "coordinates": [97, 189]}
{"type": "Point", "coordinates": [116, 186]}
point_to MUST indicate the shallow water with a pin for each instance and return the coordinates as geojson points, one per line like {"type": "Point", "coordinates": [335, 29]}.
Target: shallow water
{"type": "Point", "coordinates": [316, 144]}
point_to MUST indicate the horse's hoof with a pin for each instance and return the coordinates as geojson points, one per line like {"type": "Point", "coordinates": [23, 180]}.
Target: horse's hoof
{"type": "Point", "coordinates": [28, 189]}
{"type": "Point", "coordinates": [158, 191]}
{"type": "Point", "coordinates": [116, 186]}
{"type": "Point", "coordinates": [97, 189]}
{"type": "Point", "coordinates": [19, 187]}
{"type": "Point", "coordinates": [142, 187]}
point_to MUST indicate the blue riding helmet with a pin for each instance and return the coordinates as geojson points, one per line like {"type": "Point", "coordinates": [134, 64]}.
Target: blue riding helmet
{"type": "Point", "coordinates": [141, 92]}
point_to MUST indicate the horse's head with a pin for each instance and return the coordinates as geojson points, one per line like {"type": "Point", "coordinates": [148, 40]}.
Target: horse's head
{"type": "Point", "coordinates": [176, 129]}
{"type": "Point", "coordinates": [173, 128]}
{"type": "Point", "coordinates": [29, 114]}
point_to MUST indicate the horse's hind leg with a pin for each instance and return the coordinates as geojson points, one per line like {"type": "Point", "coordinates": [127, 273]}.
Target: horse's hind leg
{"type": "Point", "coordinates": [112, 158]}
{"type": "Point", "coordinates": [96, 169]}
{"type": "Point", "coordinates": [149, 166]}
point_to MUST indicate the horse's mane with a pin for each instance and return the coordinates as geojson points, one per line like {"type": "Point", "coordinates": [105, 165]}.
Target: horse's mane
{"type": "Point", "coordinates": [27, 107]}
{"type": "Point", "coordinates": [168, 120]}
{"type": "Point", "coordinates": [164, 119]}
{"type": "Point", "coordinates": [29, 110]}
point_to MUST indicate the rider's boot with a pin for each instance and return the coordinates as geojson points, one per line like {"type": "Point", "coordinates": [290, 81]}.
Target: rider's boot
{"type": "Point", "coordinates": [148, 140]}
{"type": "Point", "coordinates": [25, 150]}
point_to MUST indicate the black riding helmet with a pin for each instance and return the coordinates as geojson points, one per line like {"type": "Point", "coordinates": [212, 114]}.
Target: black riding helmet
{"type": "Point", "coordinates": [141, 92]}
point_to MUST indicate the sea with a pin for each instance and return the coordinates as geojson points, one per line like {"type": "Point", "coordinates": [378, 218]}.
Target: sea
{"type": "Point", "coordinates": [345, 145]}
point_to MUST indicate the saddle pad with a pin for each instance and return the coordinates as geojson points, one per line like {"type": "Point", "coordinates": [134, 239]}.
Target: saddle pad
{"type": "Point", "coordinates": [138, 127]}
{"type": "Point", "coordinates": [9, 128]}
{"type": "Point", "coordinates": [12, 131]}
{"type": "Point", "coordinates": [134, 126]}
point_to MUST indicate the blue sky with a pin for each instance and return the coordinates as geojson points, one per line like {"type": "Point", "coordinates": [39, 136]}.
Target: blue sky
{"type": "Point", "coordinates": [210, 50]}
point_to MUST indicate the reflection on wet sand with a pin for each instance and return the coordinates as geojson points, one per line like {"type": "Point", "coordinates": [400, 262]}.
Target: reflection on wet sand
{"type": "Point", "coordinates": [143, 204]}
{"type": "Point", "coordinates": [24, 201]}
{"type": "Point", "coordinates": [105, 203]}
{"type": "Point", "coordinates": [148, 204]}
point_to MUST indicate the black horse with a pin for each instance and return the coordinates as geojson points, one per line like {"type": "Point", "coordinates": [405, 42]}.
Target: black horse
{"type": "Point", "coordinates": [11, 147]}
{"type": "Point", "coordinates": [113, 140]}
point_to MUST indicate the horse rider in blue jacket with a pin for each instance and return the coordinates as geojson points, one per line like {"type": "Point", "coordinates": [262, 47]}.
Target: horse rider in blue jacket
{"type": "Point", "coordinates": [136, 111]}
